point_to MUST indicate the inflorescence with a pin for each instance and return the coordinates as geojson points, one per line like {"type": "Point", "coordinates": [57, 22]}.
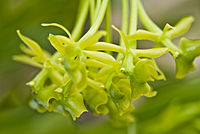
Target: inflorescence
{"type": "Point", "coordinates": [84, 73]}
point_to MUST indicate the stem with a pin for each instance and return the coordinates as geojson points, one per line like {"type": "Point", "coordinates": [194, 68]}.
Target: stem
{"type": "Point", "coordinates": [151, 26]}
{"type": "Point", "coordinates": [124, 24]}
{"type": "Point", "coordinates": [146, 21]}
{"type": "Point", "coordinates": [133, 17]}
{"type": "Point", "coordinates": [168, 43]}
{"type": "Point", "coordinates": [97, 8]}
{"type": "Point", "coordinates": [98, 21]}
{"type": "Point", "coordinates": [133, 21]}
{"type": "Point", "coordinates": [108, 37]}
{"type": "Point", "coordinates": [82, 16]}
{"type": "Point", "coordinates": [92, 11]}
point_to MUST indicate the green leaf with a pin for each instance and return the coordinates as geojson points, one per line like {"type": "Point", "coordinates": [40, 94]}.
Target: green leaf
{"type": "Point", "coordinates": [181, 27]}
{"type": "Point", "coordinates": [184, 61]}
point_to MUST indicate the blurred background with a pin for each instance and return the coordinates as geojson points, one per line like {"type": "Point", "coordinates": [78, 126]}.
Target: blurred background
{"type": "Point", "coordinates": [175, 110]}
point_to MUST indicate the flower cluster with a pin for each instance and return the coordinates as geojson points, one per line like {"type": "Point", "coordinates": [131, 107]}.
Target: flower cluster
{"type": "Point", "coordinates": [85, 72]}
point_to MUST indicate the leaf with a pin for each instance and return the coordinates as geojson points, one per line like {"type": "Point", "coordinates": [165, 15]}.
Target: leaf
{"type": "Point", "coordinates": [144, 35]}
{"type": "Point", "coordinates": [181, 27]}
{"type": "Point", "coordinates": [184, 61]}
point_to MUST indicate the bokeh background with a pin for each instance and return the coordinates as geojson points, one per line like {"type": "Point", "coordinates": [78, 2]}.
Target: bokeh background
{"type": "Point", "coordinates": [175, 110]}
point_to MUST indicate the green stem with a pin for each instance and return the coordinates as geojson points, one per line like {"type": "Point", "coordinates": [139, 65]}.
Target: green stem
{"type": "Point", "coordinates": [82, 16]}
{"type": "Point", "coordinates": [97, 22]}
{"type": "Point", "coordinates": [124, 24]}
{"type": "Point", "coordinates": [151, 26]}
{"type": "Point", "coordinates": [108, 37]}
{"type": "Point", "coordinates": [92, 11]}
{"type": "Point", "coordinates": [133, 17]}
{"type": "Point", "coordinates": [133, 22]}
{"type": "Point", "coordinates": [146, 21]}
{"type": "Point", "coordinates": [97, 8]}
